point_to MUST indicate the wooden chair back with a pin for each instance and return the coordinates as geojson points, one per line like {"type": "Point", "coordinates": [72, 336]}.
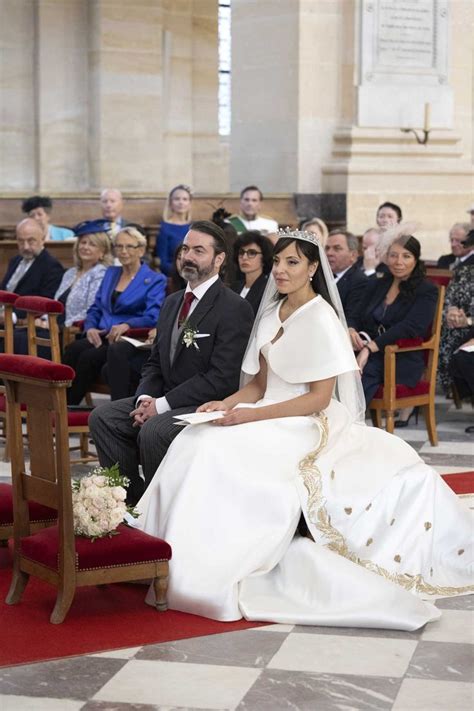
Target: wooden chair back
{"type": "Point", "coordinates": [389, 402]}
{"type": "Point", "coordinates": [7, 301]}
{"type": "Point", "coordinates": [36, 306]}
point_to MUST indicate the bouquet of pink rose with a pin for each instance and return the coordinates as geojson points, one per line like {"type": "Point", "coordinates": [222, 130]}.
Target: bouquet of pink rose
{"type": "Point", "coordinates": [98, 502]}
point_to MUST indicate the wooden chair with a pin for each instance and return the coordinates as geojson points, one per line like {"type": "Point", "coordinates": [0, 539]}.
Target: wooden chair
{"type": "Point", "coordinates": [55, 554]}
{"type": "Point", "coordinates": [7, 300]}
{"type": "Point", "coordinates": [390, 396]}
{"type": "Point", "coordinates": [35, 306]}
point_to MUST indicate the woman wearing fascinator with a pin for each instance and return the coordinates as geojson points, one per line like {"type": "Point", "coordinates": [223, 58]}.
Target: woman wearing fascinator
{"type": "Point", "coordinates": [383, 531]}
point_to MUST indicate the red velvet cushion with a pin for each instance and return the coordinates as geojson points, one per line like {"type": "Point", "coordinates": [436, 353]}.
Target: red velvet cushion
{"type": "Point", "coordinates": [77, 418]}
{"type": "Point", "coordinates": [33, 367]}
{"type": "Point", "coordinates": [8, 297]}
{"type": "Point", "coordinates": [39, 305]}
{"type": "Point", "coordinates": [138, 332]}
{"type": "Point", "coordinates": [421, 388]}
{"type": "Point", "coordinates": [129, 547]}
{"type": "Point", "coordinates": [3, 404]}
{"type": "Point", "coordinates": [438, 279]}
{"type": "Point", "coordinates": [38, 512]}
{"type": "Point", "coordinates": [409, 342]}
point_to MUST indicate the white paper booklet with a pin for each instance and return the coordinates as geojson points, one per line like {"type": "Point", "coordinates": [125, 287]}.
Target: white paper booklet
{"type": "Point", "coordinates": [136, 343]}
{"type": "Point", "coordinates": [197, 418]}
{"type": "Point", "coordinates": [468, 349]}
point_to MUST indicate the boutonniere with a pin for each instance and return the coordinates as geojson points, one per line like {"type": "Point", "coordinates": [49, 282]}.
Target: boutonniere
{"type": "Point", "coordinates": [189, 335]}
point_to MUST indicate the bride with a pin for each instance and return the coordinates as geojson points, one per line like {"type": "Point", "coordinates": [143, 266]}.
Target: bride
{"type": "Point", "coordinates": [383, 532]}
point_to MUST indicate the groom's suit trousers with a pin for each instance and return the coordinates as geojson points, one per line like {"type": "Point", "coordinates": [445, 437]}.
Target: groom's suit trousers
{"type": "Point", "coordinates": [117, 440]}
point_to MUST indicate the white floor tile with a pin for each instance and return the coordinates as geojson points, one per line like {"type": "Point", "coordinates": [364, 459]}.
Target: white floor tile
{"type": "Point", "coordinates": [26, 703]}
{"type": "Point", "coordinates": [429, 695]}
{"type": "Point", "coordinates": [176, 684]}
{"type": "Point", "coordinates": [453, 626]}
{"type": "Point", "coordinates": [331, 654]}
{"type": "Point", "coordinates": [273, 628]}
{"type": "Point", "coordinates": [466, 448]}
{"type": "Point", "coordinates": [127, 653]}
{"type": "Point", "coordinates": [450, 470]}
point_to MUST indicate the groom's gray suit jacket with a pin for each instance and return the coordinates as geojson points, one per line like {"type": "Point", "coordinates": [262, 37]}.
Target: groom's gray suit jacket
{"type": "Point", "coordinates": [209, 372]}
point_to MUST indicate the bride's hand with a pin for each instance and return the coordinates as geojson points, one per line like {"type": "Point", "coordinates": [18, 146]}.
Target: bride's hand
{"type": "Point", "coordinates": [212, 406]}
{"type": "Point", "coordinates": [237, 416]}
{"type": "Point", "coordinates": [356, 340]}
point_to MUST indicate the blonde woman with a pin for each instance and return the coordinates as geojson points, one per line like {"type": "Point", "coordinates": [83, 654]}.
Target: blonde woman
{"type": "Point", "coordinates": [174, 226]}
{"type": "Point", "coordinates": [316, 227]}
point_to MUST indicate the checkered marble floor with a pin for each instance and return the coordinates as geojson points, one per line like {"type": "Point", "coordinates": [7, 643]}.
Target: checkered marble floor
{"type": "Point", "coordinates": [279, 666]}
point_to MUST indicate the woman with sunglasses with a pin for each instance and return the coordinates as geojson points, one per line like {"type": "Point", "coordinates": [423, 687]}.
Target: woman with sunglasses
{"type": "Point", "coordinates": [253, 259]}
{"type": "Point", "coordinates": [130, 296]}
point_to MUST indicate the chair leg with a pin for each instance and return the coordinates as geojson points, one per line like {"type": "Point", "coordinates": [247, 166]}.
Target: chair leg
{"type": "Point", "coordinates": [17, 587]}
{"type": "Point", "coordinates": [430, 419]}
{"type": "Point", "coordinates": [456, 397]}
{"type": "Point", "coordinates": [63, 602]}
{"type": "Point", "coordinates": [84, 444]}
{"type": "Point", "coordinates": [160, 586]}
{"type": "Point", "coordinates": [376, 416]}
{"type": "Point", "coordinates": [390, 421]}
{"type": "Point", "coordinates": [6, 451]}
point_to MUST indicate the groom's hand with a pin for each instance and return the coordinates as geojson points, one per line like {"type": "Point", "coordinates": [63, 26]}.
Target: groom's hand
{"type": "Point", "coordinates": [143, 412]}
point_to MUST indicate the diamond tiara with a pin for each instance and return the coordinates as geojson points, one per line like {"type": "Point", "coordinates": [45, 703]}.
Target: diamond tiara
{"type": "Point", "coordinates": [299, 234]}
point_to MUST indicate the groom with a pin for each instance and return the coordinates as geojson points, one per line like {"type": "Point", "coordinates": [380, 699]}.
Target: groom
{"type": "Point", "coordinates": [202, 333]}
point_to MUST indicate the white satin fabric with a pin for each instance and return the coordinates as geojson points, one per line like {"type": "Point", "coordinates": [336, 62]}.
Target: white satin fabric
{"type": "Point", "coordinates": [386, 528]}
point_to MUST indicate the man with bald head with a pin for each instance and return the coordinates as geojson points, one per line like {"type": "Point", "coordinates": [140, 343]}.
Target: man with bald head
{"type": "Point", "coordinates": [33, 271]}
{"type": "Point", "coordinates": [111, 203]}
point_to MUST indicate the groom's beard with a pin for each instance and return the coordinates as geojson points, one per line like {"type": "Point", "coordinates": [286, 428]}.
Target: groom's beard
{"type": "Point", "coordinates": [196, 275]}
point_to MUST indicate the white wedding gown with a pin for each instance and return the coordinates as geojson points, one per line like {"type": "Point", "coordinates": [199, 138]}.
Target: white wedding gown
{"type": "Point", "coordinates": [387, 530]}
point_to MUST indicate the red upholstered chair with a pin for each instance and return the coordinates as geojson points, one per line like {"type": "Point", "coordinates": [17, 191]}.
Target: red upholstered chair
{"type": "Point", "coordinates": [440, 277]}
{"type": "Point", "coordinates": [55, 554]}
{"type": "Point", "coordinates": [35, 306]}
{"type": "Point", "coordinates": [390, 396]}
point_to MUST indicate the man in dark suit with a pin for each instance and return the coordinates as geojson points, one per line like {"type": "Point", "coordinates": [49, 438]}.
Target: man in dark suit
{"type": "Point", "coordinates": [342, 251]}
{"type": "Point", "coordinates": [33, 272]}
{"type": "Point", "coordinates": [202, 333]}
{"type": "Point", "coordinates": [457, 235]}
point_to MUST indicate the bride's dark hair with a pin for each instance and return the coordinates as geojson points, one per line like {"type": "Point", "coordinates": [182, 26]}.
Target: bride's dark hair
{"type": "Point", "coordinates": [311, 252]}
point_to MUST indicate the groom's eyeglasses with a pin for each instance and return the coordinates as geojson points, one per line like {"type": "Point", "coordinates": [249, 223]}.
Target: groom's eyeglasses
{"type": "Point", "coordinates": [250, 253]}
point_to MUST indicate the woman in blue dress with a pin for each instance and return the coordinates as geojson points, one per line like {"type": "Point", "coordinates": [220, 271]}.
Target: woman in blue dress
{"type": "Point", "coordinates": [174, 226]}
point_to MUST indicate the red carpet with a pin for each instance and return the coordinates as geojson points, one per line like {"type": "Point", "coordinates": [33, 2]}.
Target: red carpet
{"type": "Point", "coordinates": [462, 483]}
{"type": "Point", "coordinates": [106, 618]}
{"type": "Point", "coordinates": [100, 619]}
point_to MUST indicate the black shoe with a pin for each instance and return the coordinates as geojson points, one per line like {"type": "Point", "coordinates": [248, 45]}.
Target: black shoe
{"type": "Point", "coordinates": [405, 423]}
{"type": "Point", "coordinates": [469, 430]}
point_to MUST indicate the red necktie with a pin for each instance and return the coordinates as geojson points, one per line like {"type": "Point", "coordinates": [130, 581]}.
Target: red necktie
{"type": "Point", "coordinates": [187, 301]}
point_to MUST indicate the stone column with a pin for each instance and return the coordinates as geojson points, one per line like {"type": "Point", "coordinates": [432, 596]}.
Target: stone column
{"type": "Point", "coordinates": [126, 86]}
{"type": "Point", "coordinates": [17, 96]}
{"type": "Point", "coordinates": [62, 91]}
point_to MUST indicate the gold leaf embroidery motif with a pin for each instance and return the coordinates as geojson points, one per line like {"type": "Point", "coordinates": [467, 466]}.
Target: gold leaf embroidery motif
{"type": "Point", "coordinates": [368, 507]}
{"type": "Point", "coordinates": [397, 558]}
{"type": "Point", "coordinates": [348, 511]}
{"type": "Point", "coordinates": [320, 518]}
{"type": "Point", "coordinates": [333, 474]}
{"type": "Point", "coordinates": [460, 551]}
{"type": "Point", "coordinates": [427, 525]}
{"type": "Point", "coordinates": [369, 541]}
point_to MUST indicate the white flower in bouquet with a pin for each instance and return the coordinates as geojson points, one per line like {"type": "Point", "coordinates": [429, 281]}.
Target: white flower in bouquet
{"type": "Point", "coordinates": [98, 502]}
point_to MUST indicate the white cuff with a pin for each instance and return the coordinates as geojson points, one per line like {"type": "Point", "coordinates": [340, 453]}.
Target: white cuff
{"type": "Point", "coordinates": [162, 405]}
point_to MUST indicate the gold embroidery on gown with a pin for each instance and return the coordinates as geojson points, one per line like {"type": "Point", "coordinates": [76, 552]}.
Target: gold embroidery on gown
{"type": "Point", "coordinates": [320, 518]}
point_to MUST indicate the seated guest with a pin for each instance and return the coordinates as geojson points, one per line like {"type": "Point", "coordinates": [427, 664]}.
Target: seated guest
{"type": "Point", "coordinates": [33, 272]}
{"type": "Point", "coordinates": [130, 296]}
{"type": "Point", "coordinates": [111, 205]}
{"type": "Point", "coordinates": [253, 256]}
{"type": "Point", "coordinates": [400, 304]}
{"type": "Point", "coordinates": [125, 361]}
{"type": "Point", "coordinates": [458, 304]}
{"type": "Point", "coordinates": [342, 251]}
{"type": "Point", "coordinates": [369, 261]}
{"type": "Point", "coordinates": [461, 365]}
{"type": "Point", "coordinates": [470, 211]}
{"type": "Point", "coordinates": [174, 226]}
{"type": "Point", "coordinates": [228, 271]}
{"type": "Point", "coordinates": [457, 235]}
{"type": "Point", "coordinates": [39, 208]}
{"type": "Point", "coordinates": [388, 215]}
{"type": "Point", "coordinates": [317, 227]}
{"type": "Point", "coordinates": [79, 285]}
{"type": "Point", "coordinates": [249, 218]}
